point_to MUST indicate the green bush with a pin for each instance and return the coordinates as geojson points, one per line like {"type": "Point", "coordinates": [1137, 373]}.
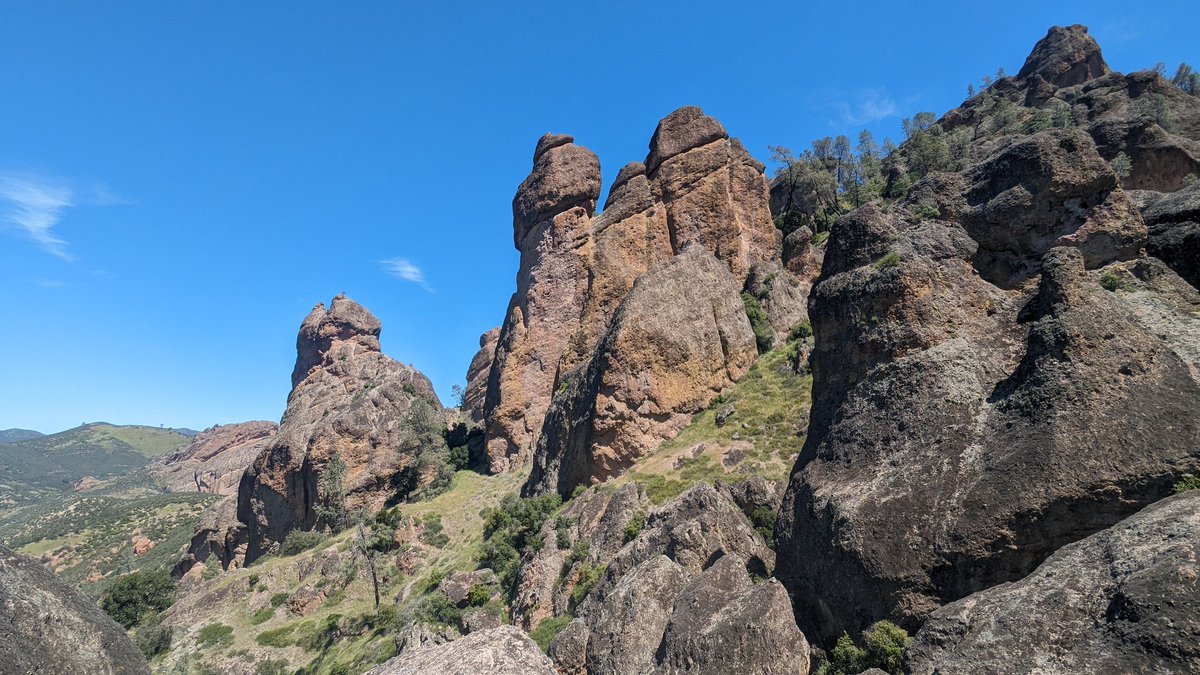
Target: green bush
{"type": "Point", "coordinates": [588, 578]}
{"type": "Point", "coordinates": [216, 635]}
{"type": "Point", "coordinates": [272, 667]}
{"type": "Point", "coordinates": [278, 599]}
{"type": "Point", "coordinates": [321, 635]}
{"type": "Point", "coordinates": [547, 629]}
{"type": "Point", "coordinates": [890, 260]}
{"type": "Point", "coordinates": [278, 637]}
{"type": "Point", "coordinates": [138, 596]}
{"type": "Point", "coordinates": [510, 529]}
{"type": "Point", "coordinates": [262, 616]}
{"type": "Point", "coordinates": [298, 541]}
{"type": "Point", "coordinates": [1186, 483]}
{"type": "Point", "coordinates": [801, 331]}
{"type": "Point", "coordinates": [764, 523]}
{"type": "Point", "coordinates": [153, 638]}
{"type": "Point", "coordinates": [460, 457]}
{"type": "Point", "coordinates": [635, 526]}
{"type": "Point", "coordinates": [432, 531]}
{"type": "Point", "coordinates": [885, 643]}
{"type": "Point", "coordinates": [1110, 282]}
{"type": "Point", "coordinates": [764, 334]}
{"type": "Point", "coordinates": [479, 595]}
{"type": "Point", "coordinates": [562, 532]}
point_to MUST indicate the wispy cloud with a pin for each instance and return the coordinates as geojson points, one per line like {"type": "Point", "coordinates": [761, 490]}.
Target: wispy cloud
{"type": "Point", "coordinates": [865, 107]}
{"type": "Point", "coordinates": [402, 268]}
{"type": "Point", "coordinates": [32, 206]}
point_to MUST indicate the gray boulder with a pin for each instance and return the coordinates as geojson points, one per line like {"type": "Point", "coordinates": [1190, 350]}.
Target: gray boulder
{"type": "Point", "coordinates": [1124, 600]}
{"type": "Point", "coordinates": [505, 650]}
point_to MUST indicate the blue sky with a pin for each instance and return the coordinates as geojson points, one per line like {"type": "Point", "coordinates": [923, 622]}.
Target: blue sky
{"type": "Point", "coordinates": [181, 182]}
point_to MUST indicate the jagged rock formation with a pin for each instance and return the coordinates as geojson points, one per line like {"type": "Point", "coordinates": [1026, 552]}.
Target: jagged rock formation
{"type": "Point", "coordinates": [967, 422]}
{"type": "Point", "coordinates": [1123, 600]}
{"type": "Point", "coordinates": [475, 395]}
{"type": "Point", "coordinates": [782, 295]}
{"type": "Point", "coordinates": [677, 597]}
{"type": "Point", "coordinates": [697, 186]}
{"type": "Point", "coordinates": [348, 401]}
{"type": "Point", "coordinates": [497, 650]}
{"type": "Point", "coordinates": [678, 339]}
{"type": "Point", "coordinates": [49, 627]}
{"type": "Point", "coordinates": [215, 459]}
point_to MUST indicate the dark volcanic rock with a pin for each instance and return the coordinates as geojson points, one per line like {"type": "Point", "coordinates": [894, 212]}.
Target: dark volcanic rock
{"type": "Point", "coordinates": [496, 650]}
{"type": "Point", "coordinates": [679, 338]}
{"type": "Point", "coordinates": [48, 627]}
{"type": "Point", "coordinates": [1174, 223]}
{"type": "Point", "coordinates": [1124, 600]}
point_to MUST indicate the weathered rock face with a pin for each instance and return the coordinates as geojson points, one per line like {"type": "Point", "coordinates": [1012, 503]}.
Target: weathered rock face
{"type": "Point", "coordinates": [678, 339]}
{"type": "Point", "coordinates": [1174, 224]}
{"type": "Point", "coordinates": [49, 627]}
{"type": "Point", "coordinates": [697, 186]}
{"type": "Point", "coordinates": [1123, 600]}
{"type": "Point", "coordinates": [966, 421]}
{"type": "Point", "coordinates": [497, 650]}
{"type": "Point", "coordinates": [220, 538]}
{"type": "Point", "coordinates": [677, 597]}
{"type": "Point", "coordinates": [475, 395]}
{"type": "Point", "coordinates": [1065, 57]}
{"type": "Point", "coordinates": [215, 459]}
{"type": "Point", "coordinates": [782, 295]}
{"type": "Point", "coordinates": [351, 401]}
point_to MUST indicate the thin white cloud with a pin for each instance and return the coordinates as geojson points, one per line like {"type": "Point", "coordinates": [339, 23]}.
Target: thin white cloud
{"type": "Point", "coordinates": [866, 107]}
{"type": "Point", "coordinates": [402, 268]}
{"type": "Point", "coordinates": [33, 206]}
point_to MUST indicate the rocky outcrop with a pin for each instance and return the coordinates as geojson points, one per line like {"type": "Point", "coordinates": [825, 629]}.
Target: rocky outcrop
{"type": "Point", "coordinates": [967, 422]}
{"type": "Point", "coordinates": [474, 398]}
{"type": "Point", "coordinates": [1065, 83]}
{"type": "Point", "coordinates": [215, 459]}
{"type": "Point", "coordinates": [675, 595]}
{"type": "Point", "coordinates": [1174, 224]}
{"type": "Point", "coordinates": [697, 186]}
{"type": "Point", "coordinates": [49, 627]}
{"type": "Point", "coordinates": [352, 402]}
{"type": "Point", "coordinates": [678, 339]}
{"type": "Point", "coordinates": [496, 650]}
{"type": "Point", "coordinates": [782, 296]}
{"type": "Point", "coordinates": [219, 537]}
{"type": "Point", "coordinates": [1123, 600]}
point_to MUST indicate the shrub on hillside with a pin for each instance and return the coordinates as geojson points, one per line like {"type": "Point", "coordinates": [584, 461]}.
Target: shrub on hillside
{"type": "Point", "coordinates": [512, 528]}
{"type": "Point", "coordinates": [764, 334]}
{"type": "Point", "coordinates": [138, 596]}
{"type": "Point", "coordinates": [885, 643]}
{"type": "Point", "coordinates": [298, 541]}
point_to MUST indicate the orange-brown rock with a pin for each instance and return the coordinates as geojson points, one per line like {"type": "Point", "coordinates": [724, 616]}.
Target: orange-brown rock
{"type": "Point", "coordinates": [697, 186]}
{"type": "Point", "coordinates": [351, 402]}
{"type": "Point", "coordinates": [475, 395]}
{"type": "Point", "coordinates": [679, 338]}
{"type": "Point", "coordinates": [215, 459]}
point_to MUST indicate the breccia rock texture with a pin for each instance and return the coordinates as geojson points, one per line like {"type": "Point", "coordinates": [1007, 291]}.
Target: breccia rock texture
{"type": "Point", "coordinates": [49, 627]}
{"type": "Point", "coordinates": [696, 187]}
{"type": "Point", "coordinates": [990, 383]}
{"type": "Point", "coordinates": [677, 597]}
{"type": "Point", "coordinates": [348, 400]}
{"type": "Point", "coordinates": [505, 650]}
{"type": "Point", "coordinates": [475, 395]}
{"type": "Point", "coordinates": [678, 339]}
{"type": "Point", "coordinates": [215, 459]}
{"type": "Point", "coordinates": [1124, 600]}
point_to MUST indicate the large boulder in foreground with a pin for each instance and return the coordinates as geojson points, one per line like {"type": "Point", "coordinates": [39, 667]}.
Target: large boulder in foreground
{"type": "Point", "coordinates": [1124, 600]}
{"type": "Point", "coordinates": [48, 627]}
{"type": "Point", "coordinates": [350, 401]}
{"type": "Point", "coordinates": [680, 337]}
{"type": "Point", "coordinates": [505, 650]}
{"type": "Point", "coordinates": [677, 597]}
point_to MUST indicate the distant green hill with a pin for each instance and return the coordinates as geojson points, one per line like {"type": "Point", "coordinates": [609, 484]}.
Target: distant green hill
{"type": "Point", "coordinates": [34, 468]}
{"type": "Point", "coordinates": [14, 435]}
